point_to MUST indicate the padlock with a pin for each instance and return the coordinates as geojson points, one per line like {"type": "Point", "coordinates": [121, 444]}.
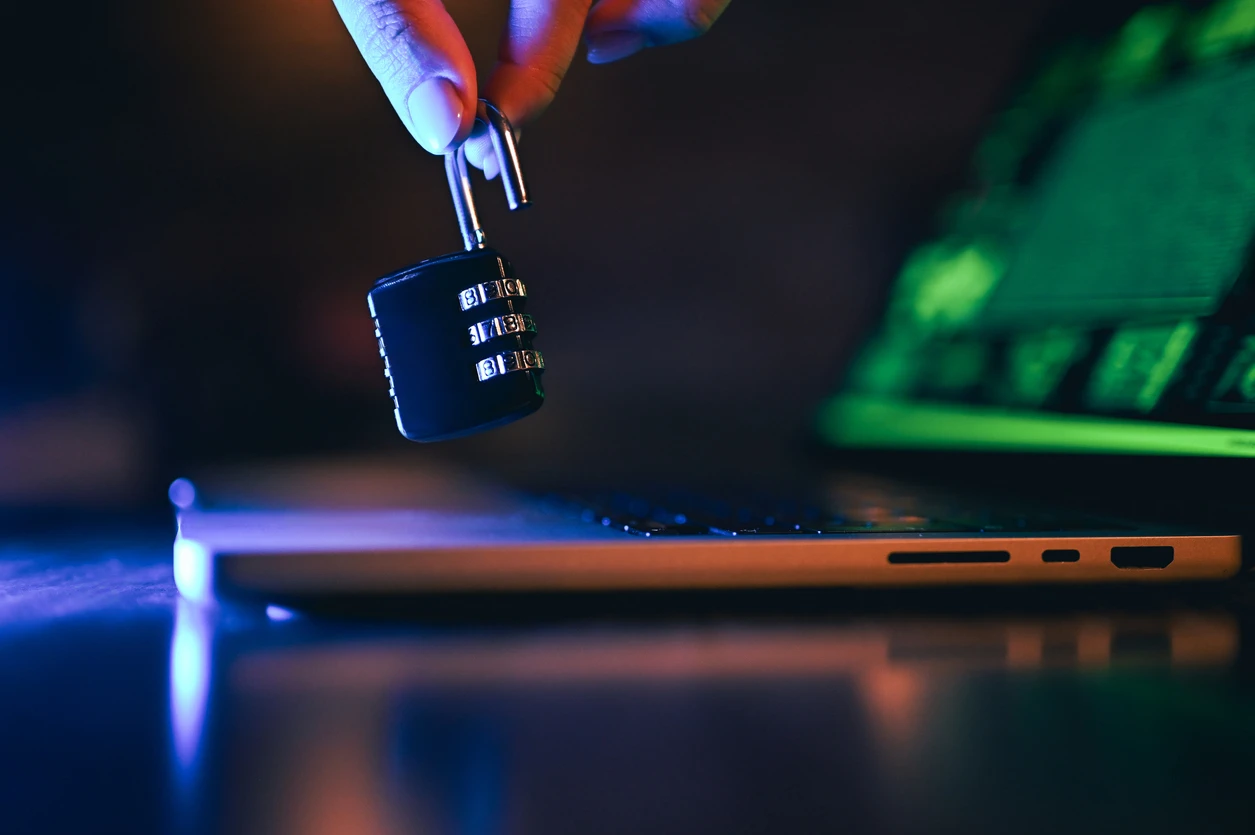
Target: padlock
{"type": "Point", "coordinates": [453, 332]}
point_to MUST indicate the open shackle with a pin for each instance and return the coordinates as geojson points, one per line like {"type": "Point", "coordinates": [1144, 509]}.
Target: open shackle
{"type": "Point", "coordinates": [506, 148]}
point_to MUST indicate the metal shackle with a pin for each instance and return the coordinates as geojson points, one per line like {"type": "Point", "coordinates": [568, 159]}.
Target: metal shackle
{"type": "Point", "coordinates": [506, 148]}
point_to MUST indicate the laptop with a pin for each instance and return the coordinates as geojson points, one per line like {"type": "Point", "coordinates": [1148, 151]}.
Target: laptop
{"type": "Point", "coordinates": [1061, 389]}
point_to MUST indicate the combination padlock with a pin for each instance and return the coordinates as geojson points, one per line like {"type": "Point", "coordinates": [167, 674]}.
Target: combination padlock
{"type": "Point", "coordinates": [455, 338]}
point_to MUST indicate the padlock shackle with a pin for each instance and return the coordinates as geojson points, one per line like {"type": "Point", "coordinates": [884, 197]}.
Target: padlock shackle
{"type": "Point", "coordinates": [463, 200]}
{"type": "Point", "coordinates": [505, 146]}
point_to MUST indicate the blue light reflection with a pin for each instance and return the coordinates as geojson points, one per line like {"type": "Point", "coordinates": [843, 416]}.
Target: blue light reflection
{"type": "Point", "coordinates": [190, 657]}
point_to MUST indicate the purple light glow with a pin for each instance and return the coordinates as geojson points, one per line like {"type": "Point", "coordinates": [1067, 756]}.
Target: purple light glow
{"type": "Point", "coordinates": [193, 570]}
{"type": "Point", "coordinates": [182, 493]}
{"type": "Point", "coordinates": [278, 614]}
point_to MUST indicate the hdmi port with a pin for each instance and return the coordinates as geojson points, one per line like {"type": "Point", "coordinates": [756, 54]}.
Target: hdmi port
{"type": "Point", "coordinates": [1141, 556]}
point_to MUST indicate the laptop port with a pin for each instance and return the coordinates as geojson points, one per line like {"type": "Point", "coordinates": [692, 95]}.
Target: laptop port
{"type": "Point", "coordinates": [1061, 555]}
{"type": "Point", "coordinates": [939, 557]}
{"type": "Point", "coordinates": [1141, 556]}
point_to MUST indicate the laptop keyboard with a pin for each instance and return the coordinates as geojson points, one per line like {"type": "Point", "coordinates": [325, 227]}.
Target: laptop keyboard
{"type": "Point", "coordinates": [849, 510]}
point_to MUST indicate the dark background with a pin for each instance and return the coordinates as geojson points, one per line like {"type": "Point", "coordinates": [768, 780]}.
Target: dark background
{"type": "Point", "coordinates": [197, 196]}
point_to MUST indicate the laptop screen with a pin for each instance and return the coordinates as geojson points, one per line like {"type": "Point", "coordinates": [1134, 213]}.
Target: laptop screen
{"type": "Point", "coordinates": [1090, 291]}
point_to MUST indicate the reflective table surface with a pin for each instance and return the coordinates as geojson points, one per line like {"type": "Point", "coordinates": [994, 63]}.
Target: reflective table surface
{"type": "Point", "coordinates": [125, 709]}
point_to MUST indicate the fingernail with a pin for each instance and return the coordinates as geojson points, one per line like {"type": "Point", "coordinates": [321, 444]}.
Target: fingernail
{"type": "Point", "coordinates": [491, 167]}
{"type": "Point", "coordinates": [435, 114]}
{"type": "Point", "coordinates": [605, 47]}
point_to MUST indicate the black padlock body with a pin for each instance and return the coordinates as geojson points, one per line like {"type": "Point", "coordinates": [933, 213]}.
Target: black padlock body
{"type": "Point", "coordinates": [430, 355]}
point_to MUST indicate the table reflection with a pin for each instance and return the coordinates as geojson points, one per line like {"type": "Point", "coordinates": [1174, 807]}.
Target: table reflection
{"type": "Point", "coordinates": [697, 727]}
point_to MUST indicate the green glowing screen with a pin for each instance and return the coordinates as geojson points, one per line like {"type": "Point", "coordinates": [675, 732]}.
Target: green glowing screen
{"type": "Point", "coordinates": [858, 421]}
{"type": "Point", "coordinates": [1146, 209]}
{"type": "Point", "coordinates": [1090, 289]}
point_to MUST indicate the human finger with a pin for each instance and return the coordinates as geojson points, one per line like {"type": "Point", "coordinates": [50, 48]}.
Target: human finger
{"type": "Point", "coordinates": [539, 41]}
{"type": "Point", "coordinates": [420, 58]}
{"type": "Point", "coordinates": [619, 28]}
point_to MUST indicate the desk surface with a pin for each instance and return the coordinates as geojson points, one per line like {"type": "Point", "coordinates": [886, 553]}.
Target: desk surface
{"type": "Point", "coordinates": [127, 710]}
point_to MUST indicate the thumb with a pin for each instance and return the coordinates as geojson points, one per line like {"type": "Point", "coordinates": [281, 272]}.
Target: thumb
{"type": "Point", "coordinates": [416, 51]}
{"type": "Point", "coordinates": [619, 28]}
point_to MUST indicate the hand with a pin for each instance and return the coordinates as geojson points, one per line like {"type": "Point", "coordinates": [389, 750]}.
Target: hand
{"type": "Point", "coordinates": [420, 58]}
